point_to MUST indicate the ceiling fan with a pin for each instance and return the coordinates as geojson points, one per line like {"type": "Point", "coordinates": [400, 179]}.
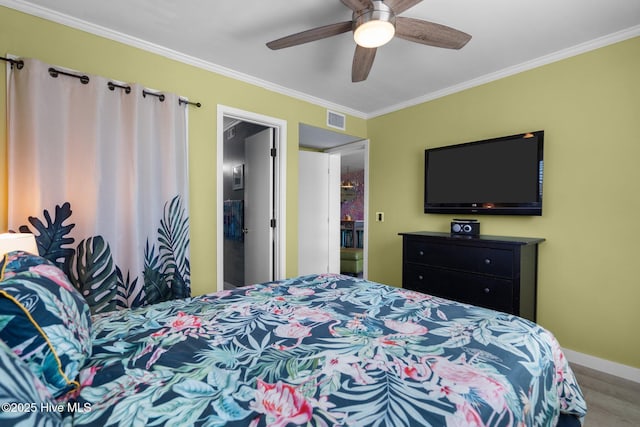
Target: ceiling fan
{"type": "Point", "coordinates": [374, 23]}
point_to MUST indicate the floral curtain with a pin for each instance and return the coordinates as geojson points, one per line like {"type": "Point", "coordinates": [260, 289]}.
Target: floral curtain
{"type": "Point", "coordinates": [98, 171]}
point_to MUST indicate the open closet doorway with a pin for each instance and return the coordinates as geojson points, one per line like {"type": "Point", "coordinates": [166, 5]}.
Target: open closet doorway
{"type": "Point", "coordinates": [346, 243]}
{"type": "Point", "coordinates": [250, 198]}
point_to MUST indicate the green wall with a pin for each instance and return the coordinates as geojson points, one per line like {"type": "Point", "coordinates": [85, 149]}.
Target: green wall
{"type": "Point", "coordinates": [589, 107]}
{"type": "Point", "coordinates": [588, 287]}
{"type": "Point", "coordinates": [28, 36]}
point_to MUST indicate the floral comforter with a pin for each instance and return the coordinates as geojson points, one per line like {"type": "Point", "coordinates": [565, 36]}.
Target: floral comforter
{"type": "Point", "coordinates": [323, 350]}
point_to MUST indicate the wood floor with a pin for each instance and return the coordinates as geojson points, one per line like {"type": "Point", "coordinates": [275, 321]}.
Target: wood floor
{"type": "Point", "coordinates": [611, 401]}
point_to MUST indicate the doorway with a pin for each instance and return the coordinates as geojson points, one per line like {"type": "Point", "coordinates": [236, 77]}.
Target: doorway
{"type": "Point", "coordinates": [251, 155]}
{"type": "Point", "coordinates": [351, 236]}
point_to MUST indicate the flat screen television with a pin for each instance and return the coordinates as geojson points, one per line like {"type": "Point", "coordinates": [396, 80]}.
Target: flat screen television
{"type": "Point", "coordinates": [500, 176]}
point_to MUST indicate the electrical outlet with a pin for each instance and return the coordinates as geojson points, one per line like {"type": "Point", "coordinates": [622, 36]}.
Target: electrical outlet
{"type": "Point", "coordinates": [380, 216]}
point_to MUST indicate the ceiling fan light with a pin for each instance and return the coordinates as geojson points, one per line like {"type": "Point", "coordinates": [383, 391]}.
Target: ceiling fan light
{"type": "Point", "coordinates": [374, 33]}
{"type": "Point", "coordinates": [374, 27]}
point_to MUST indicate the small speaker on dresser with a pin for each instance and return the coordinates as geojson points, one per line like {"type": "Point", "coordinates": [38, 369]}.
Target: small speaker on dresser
{"type": "Point", "coordinates": [465, 227]}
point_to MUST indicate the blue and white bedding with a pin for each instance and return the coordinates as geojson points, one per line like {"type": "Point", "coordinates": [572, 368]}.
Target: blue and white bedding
{"type": "Point", "coordinates": [321, 350]}
{"type": "Point", "coordinates": [325, 350]}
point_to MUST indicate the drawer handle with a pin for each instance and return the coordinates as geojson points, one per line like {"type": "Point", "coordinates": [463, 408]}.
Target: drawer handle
{"type": "Point", "coordinates": [421, 253]}
{"type": "Point", "coordinates": [487, 290]}
{"type": "Point", "coordinates": [487, 261]}
{"type": "Point", "coordinates": [420, 277]}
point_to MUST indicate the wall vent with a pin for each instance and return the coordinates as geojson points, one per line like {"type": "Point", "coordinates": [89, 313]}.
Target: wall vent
{"type": "Point", "coordinates": [336, 120]}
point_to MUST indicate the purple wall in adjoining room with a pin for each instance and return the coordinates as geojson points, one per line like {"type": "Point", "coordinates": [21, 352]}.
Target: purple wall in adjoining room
{"type": "Point", "coordinates": [355, 207]}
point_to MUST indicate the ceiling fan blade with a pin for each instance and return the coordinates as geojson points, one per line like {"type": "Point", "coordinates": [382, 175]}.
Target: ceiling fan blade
{"type": "Point", "coordinates": [399, 6]}
{"type": "Point", "coordinates": [311, 35]}
{"type": "Point", "coordinates": [430, 33]}
{"type": "Point", "coordinates": [362, 62]}
{"type": "Point", "coordinates": [357, 5]}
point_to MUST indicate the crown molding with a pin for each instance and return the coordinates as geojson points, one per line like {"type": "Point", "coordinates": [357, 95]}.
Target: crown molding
{"type": "Point", "coordinates": [88, 27]}
{"type": "Point", "coordinates": [107, 33]}
{"type": "Point", "coordinates": [516, 69]}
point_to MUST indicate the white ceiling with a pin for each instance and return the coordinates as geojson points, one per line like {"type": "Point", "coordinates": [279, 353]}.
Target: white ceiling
{"type": "Point", "coordinates": [229, 37]}
{"type": "Point", "coordinates": [324, 139]}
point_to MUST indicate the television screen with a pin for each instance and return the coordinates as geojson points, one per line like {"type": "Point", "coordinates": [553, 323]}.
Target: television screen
{"type": "Point", "coordinates": [494, 176]}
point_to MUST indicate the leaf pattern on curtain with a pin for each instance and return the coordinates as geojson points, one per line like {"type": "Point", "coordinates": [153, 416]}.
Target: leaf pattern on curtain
{"type": "Point", "coordinates": [94, 274]}
{"type": "Point", "coordinates": [91, 269]}
{"type": "Point", "coordinates": [174, 245]}
{"type": "Point", "coordinates": [100, 177]}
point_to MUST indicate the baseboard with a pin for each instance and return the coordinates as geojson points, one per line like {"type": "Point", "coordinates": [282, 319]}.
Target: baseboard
{"type": "Point", "coordinates": [608, 367]}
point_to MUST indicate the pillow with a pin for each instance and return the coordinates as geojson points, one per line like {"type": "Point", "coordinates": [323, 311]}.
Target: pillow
{"type": "Point", "coordinates": [44, 320]}
{"type": "Point", "coordinates": [17, 262]}
{"type": "Point", "coordinates": [23, 398]}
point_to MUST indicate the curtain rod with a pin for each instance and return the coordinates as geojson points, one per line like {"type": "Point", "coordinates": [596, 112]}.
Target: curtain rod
{"type": "Point", "coordinates": [18, 63]}
{"type": "Point", "coordinates": [185, 101]}
{"type": "Point", "coordinates": [84, 79]}
{"type": "Point", "coordinates": [160, 96]}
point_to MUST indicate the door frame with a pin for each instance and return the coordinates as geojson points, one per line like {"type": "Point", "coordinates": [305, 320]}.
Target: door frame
{"type": "Point", "coordinates": [362, 145]}
{"type": "Point", "coordinates": [279, 127]}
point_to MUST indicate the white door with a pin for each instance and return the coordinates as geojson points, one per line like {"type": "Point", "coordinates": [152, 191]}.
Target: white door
{"type": "Point", "coordinates": [318, 213]}
{"type": "Point", "coordinates": [258, 208]}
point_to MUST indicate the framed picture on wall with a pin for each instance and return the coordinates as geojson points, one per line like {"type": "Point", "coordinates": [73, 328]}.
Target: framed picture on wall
{"type": "Point", "coordinates": [238, 177]}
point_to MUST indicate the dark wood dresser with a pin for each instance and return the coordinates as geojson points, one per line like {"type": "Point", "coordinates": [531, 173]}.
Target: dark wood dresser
{"type": "Point", "coordinates": [497, 272]}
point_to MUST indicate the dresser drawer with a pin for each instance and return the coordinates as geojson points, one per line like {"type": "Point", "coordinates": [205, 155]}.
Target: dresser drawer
{"type": "Point", "coordinates": [476, 259]}
{"type": "Point", "coordinates": [483, 291]}
{"type": "Point", "coordinates": [498, 272]}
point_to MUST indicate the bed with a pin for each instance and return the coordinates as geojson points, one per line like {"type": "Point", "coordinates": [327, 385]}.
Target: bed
{"type": "Point", "coordinates": [321, 350]}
